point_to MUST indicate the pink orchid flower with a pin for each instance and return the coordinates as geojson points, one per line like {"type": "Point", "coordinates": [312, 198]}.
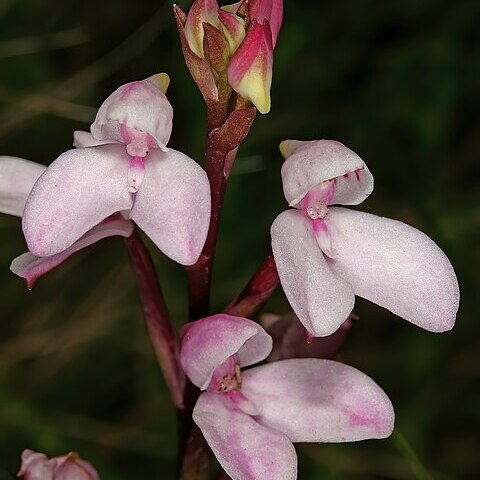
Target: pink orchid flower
{"type": "Point", "coordinates": [123, 166]}
{"type": "Point", "coordinates": [326, 255]}
{"type": "Point", "coordinates": [36, 466]}
{"type": "Point", "coordinates": [17, 177]}
{"type": "Point", "coordinates": [251, 418]}
{"type": "Point", "coordinates": [250, 46]}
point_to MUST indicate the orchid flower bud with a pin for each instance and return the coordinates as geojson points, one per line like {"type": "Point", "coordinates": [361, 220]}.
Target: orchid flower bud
{"type": "Point", "coordinates": [72, 467]}
{"type": "Point", "coordinates": [37, 466]}
{"type": "Point", "coordinates": [250, 69]}
{"type": "Point", "coordinates": [233, 28]}
{"type": "Point", "coordinates": [270, 10]}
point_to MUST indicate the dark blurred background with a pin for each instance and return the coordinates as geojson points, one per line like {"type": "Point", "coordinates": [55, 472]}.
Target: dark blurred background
{"type": "Point", "coordinates": [395, 81]}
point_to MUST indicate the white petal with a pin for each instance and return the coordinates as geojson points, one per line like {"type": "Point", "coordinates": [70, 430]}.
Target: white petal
{"type": "Point", "coordinates": [245, 449]}
{"type": "Point", "coordinates": [78, 190]}
{"type": "Point", "coordinates": [395, 266]}
{"type": "Point", "coordinates": [172, 205]}
{"type": "Point", "coordinates": [209, 342]}
{"type": "Point", "coordinates": [310, 163]}
{"type": "Point", "coordinates": [320, 298]}
{"type": "Point", "coordinates": [139, 105]}
{"type": "Point", "coordinates": [313, 400]}
{"type": "Point", "coordinates": [31, 268]}
{"type": "Point", "coordinates": [17, 177]}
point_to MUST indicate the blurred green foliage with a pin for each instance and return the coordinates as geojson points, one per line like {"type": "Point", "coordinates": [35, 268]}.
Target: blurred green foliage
{"type": "Point", "coordinates": [395, 81]}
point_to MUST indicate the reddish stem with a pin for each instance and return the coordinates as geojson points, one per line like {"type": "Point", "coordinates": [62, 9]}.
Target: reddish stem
{"type": "Point", "coordinates": [200, 274]}
{"type": "Point", "coordinates": [157, 318]}
{"type": "Point", "coordinates": [228, 130]}
{"type": "Point", "coordinates": [258, 290]}
{"type": "Point", "coordinates": [196, 457]}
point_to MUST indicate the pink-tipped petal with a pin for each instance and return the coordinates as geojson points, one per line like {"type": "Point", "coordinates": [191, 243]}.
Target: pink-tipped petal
{"type": "Point", "coordinates": [312, 400]}
{"type": "Point", "coordinates": [138, 105]}
{"type": "Point", "coordinates": [31, 268]}
{"type": "Point", "coordinates": [77, 191]}
{"type": "Point", "coordinates": [172, 205]}
{"type": "Point", "coordinates": [250, 69]}
{"type": "Point", "coordinates": [310, 163]}
{"type": "Point", "coordinates": [201, 11]}
{"type": "Point", "coordinates": [270, 10]}
{"type": "Point", "coordinates": [17, 177]}
{"type": "Point", "coordinates": [320, 298]}
{"type": "Point", "coordinates": [245, 449]}
{"type": "Point", "coordinates": [209, 342]}
{"type": "Point", "coordinates": [396, 266]}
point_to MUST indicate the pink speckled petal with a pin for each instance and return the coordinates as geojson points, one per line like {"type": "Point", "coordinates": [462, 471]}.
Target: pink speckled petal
{"type": "Point", "coordinates": [245, 449]}
{"type": "Point", "coordinates": [270, 10]}
{"type": "Point", "coordinates": [312, 400]}
{"type": "Point", "coordinates": [209, 342]}
{"type": "Point", "coordinates": [320, 298]}
{"type": "Point", "coordinates": [78, 190]}
{"type": "Point", "coordinates": [139, 105]}
{"type": "Point", "coordinates": [395, 266]}
{"type": "Point", "coordinates": [82, 139]}
{"type": "Point", "coordinates": [17, 177]}
{"type": "Point", "coordinates": [310, 163]}
{"type": "Point", "coordinates": [172, 205]}
{"type": "Point", "coordinates": [31, 268]}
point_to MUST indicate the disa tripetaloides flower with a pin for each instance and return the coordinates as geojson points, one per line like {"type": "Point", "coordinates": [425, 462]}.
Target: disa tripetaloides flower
{"type": "Point", "coordinates": [326, 255]}
{"type": "Point", "coordinates": [123, 166]}
{"type": "Point", "coordinates": [250, 418]}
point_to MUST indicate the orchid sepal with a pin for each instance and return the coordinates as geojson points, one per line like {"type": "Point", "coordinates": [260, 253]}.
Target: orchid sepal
{"type": "Point", "coordinates": [198, 67]}
{"type": "Point", "coordinates": [201, 12]}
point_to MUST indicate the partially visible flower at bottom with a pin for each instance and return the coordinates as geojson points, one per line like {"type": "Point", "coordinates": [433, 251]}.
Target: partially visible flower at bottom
{"type": "Point", "coordinates": [250, 419]}
{"type": "Point", "coordinates": [37, 466]}
{"type": "Point", "coordinates": [17, 178]}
